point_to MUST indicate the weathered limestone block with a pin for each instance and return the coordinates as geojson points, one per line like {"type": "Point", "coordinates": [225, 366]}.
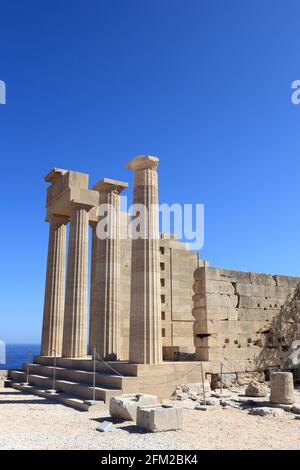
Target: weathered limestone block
{"type": "Point", "coordinates": [226, 288]}
{"type": "Point", "coordinates": [199, 327]}
{"type": "Point", "coordinates": [256, 389]}
{"type": "Point", "coordinates": [228, 354]}
{"type": "Point", "coordinates": [232, 314]}
{"type": "Point", "coordinates": [234, 276]}
{"type": "Point", "coordinates": [244, 340]}
{"type": "Point", "coordinates": [202, 274]}
{"type": "Point", "coordinates": [287, 281]}
{"type": "Point", "coordinates": [215, 340]}
{"type": "Point", "coordinates": [215, 313]}
{"type": "Point", "coordinates": [199, 313]}
{"type": "Point", "coordinates": [267, 411]}
{"type": "Point", "coordinates": [191, 390]}
{"type": "Point", "coordinates": [245, 327]}
{"type": "Point", "coordinates": [182, 333]}
{"type": "Point", "coordinates": [264, 279]}
{"type": "Point", "coordinates": [244, 378]}
{"type": "Point", "coordinates": [215, 300]}
{"type": "Point", "coordinates": [202, 354]}
{"type": "Point", "coordinates": [281, 292]}
{"type": "Point", "coordinates": [160, 418]}
{"type": "Point", "coordinates": [211, 326]}
{"type": "Point", "coordinates": [229, 301]}
{"type": "Point", "coordinates": [197, 388]}
{"type": "Point", "coordinates": [251, 290]}
{"type": "Point", "coordinates": [209, 287]}
{"type": "Point", "coordinates": [251, 302]}
{"type": "Point", "coordinates": [204, 300]}
{"type": "Point", "coordinates": [282, 388]}
{"type": "Point", "coordinates": [213, 287]}
{"type": "Point", "coordinates": [125, 406]}
{"type": "Point", "coordinates": [256, 314]}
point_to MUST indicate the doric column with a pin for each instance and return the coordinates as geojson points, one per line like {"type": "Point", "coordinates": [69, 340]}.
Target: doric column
{"type": "Point", "coordinates": [76, 308]}
{"type": "Point", "coordinates": [53, 318]}
{"type": "Point", "coordinates": [145, 344]}
{"type": "Point", "coordinates": [107, 277]}
{"type": "Point", "coordinates": [93, 287]}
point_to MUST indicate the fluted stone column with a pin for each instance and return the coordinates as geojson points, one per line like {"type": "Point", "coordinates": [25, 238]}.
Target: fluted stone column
{"type": "Point", "coordinates": [93, 288]}
{"type": "Point", "coordinates": [107, 277]}
{"type": "Point", "coordinates": [76, 308]}
{"type": "Point", "coordinates": [54, 300]}
{"type": "Point", "coordinates": [145, 343]}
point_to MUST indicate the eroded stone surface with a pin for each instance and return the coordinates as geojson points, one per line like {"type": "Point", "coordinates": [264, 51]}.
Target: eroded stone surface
{"type": "Point", "coordinates": [267, 411]}
{"type": "Point", "coordinates": [282, 388]}
{"type": "Point", "coordinates": [160, 418]}
{"type": "Point", "coordinates": [125, 406]}
{"type": "Point", "coordinates": [256, 389]}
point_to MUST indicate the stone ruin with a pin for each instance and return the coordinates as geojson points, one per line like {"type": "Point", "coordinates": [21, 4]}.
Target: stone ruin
{"type": "Point", "coordinates": [157, 311]}
{"type": "Point", "coordinates": [248, 321]}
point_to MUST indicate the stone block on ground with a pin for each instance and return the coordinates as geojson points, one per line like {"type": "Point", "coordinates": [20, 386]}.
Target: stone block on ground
{"type": "Point", "coordinates": [282, 388]}
{"type": "Point", "coordinates": [266, 411]}
{"type": "Point", "coordinates": [256, 389]}
{"type": "Point", "coordinates": [205, 407]}
{"type": "Point", "coordinates": [296, 409]}
{"type": "Point", "coordinates": [160, 418]}
{"type": "Point", "coordinates": [197, 388]}
{"type": "Point", "coordinates": [125, 406]}
{"type": "Point", "coordinates": [228, 380]}
{"type": "Point", "coordinates": [105, 426]}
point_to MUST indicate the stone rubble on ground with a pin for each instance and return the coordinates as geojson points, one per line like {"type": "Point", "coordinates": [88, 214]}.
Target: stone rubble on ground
{"type": "Point", "coordinates": [256, 389]}
{"type": "Point", "coordinates": [105, 426]}
{"type": "Point", "coordinates": [296, 409]}
{"type": "Point", "coordinates": [267, 411]}
{"type": "Point", "coordinates": [205, 407]}
{"type": "Point", "coordinates": [254, 396]}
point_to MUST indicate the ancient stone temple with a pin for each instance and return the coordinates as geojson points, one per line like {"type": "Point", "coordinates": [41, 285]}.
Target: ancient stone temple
{"type": "Point", "coordinates": [140, 291]}
{"type": "Point", "coordinates": [149, 309]}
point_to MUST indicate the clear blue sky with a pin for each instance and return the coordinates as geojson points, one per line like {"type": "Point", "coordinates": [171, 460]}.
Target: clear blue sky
{"type": "Point", "coordinates": [202, 84]}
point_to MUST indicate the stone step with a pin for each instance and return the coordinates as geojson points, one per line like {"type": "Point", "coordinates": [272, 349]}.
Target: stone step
{"type": "Point", "coordinates": [64, 398]}
{"type": "Point", "coordinates": [86, 364]}
{"type": "Point", "coordinates": [80, 389]}
{"type": "Point", "coordinates": [125, 383]}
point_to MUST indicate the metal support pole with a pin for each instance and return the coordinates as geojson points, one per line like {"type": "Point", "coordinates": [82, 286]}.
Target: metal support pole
{"type": "Point", "coordinates": [203, 385]}
{"type": "Point", "coordinates": [94, 376]}
{"type": "Point", "coordinates": [27, 372]}
{"type": "Point", "coordinates": [54, 371]}
{"type": "Point", "coordinates": [221, 380]}
{"type": "Point", "coordinates": [8, 359]}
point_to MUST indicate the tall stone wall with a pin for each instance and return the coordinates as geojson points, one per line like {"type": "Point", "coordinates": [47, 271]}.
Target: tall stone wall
{"type": "Point", "coordinates": [237, 316]}
{"type": "Point", "coordinates": [177, 266]}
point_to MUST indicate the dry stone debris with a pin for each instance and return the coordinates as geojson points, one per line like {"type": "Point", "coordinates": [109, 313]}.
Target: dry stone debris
{"type": "Point", "coordinates": [267, 411]}
{"type": "Point", "coordinates": [256, 389]}
{"type": "Point", "coordinates": [125, 406]}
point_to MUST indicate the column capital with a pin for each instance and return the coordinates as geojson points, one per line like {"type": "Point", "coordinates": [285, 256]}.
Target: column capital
{"type": "Point", "coordinates": [93, 223]}
{"type": "Point", "coordinates": [75, 205]}
{"type": "Point", "coordinates": [143, 162]}
{"type": "Point", "coordinates": [110, 185]}
{"type": "Point", "coordinates": [56, 219]}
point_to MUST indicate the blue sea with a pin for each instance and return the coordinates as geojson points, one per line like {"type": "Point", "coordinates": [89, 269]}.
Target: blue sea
{"type": "Point", "coordinates": [16, 354]}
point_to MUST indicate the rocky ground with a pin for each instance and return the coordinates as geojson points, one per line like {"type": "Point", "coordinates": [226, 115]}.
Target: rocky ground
{"type": "Point", "coordinates": [30, 422]}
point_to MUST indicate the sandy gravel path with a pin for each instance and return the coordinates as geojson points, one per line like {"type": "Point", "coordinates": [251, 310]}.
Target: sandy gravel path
{"type": "Point", "coordinates": [30, 422]}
